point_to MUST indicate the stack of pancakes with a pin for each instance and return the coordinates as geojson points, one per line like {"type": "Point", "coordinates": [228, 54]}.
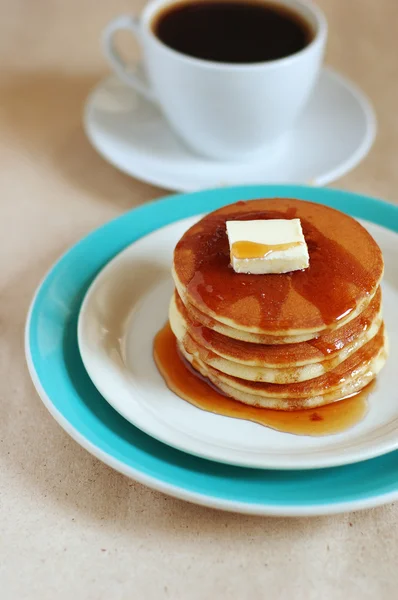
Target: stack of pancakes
{"type": "Point", "coordinates": [283, 341]}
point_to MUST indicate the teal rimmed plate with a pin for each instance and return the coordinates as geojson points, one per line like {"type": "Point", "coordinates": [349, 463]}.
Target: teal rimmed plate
{"type": "Point", "coordinates": [67, 391]}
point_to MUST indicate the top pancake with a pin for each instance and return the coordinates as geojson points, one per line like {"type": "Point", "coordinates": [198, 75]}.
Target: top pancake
{"type": "Point", "coordinates": [346, 266]}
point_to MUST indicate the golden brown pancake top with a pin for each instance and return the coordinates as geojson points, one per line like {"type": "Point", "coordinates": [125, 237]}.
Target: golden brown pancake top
{"type": "Point", "coordinates": [346, 266]}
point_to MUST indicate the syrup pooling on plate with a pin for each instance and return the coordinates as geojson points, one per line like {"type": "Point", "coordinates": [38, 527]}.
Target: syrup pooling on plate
{"type": "Point", "coordinates": [188, 385]}
{"type": "Point", "coordinates": [345, 268]}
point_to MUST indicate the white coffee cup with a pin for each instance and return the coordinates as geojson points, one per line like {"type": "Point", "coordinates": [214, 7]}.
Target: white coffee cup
{"type": "Point", "coordinates": [222, 110]}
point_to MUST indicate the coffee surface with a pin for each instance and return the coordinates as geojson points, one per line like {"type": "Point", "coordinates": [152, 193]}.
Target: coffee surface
{"type": "Point", "coordinates": [232, 32]}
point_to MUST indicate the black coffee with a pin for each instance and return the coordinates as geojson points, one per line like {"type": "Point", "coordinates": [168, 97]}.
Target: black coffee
{"type": "Point", "coordinates": [232, 32]}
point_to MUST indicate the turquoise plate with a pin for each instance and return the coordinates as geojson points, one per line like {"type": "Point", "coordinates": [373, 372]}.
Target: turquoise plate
{"type": "Point", "coordinates": [65, 388]}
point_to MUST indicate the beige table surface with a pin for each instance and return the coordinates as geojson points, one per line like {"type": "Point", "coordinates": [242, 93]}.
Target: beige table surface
{"type": "Point", "coordinates": [70, 527]}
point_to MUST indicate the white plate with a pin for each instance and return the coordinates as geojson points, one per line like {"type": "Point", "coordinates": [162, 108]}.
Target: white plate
{"type": "Point", "coordinates": [331, 137]}
{"type": "Point", "coordinates": [128, 303]}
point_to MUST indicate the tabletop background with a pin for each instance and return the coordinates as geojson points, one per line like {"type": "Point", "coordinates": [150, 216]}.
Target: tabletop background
{"type": "Point", "coordinates": [70, 527]}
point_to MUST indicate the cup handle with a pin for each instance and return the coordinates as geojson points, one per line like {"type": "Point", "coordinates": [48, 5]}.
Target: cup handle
{"type": "Point", "coordinates": [131, 24]}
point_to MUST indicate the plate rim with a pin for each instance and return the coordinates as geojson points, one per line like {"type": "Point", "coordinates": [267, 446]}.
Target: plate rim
{"type": "Point", "coordinates": [332, 175]}
{"type": "Point", "coordinates": [369, 210]}
{"type": "Point", "coordinates": [357, 454]}
{"type": "Point", "coordinates": [271, 510]}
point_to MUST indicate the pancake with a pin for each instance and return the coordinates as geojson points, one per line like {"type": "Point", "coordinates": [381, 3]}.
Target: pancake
{"type": "Point", "coordinates": [330, 381]}
{"type": "Point", "coordinates": [345, 270]}
{"type": "Point", "coordinates": [347, 379]}
{"type": "Point", "coordinates": [270, 375]}
{"type": "Point", "coordinates": [325, 347]}
{"type": "Point", "coordinates": [244, 336]}
{"type": "Point", "coordinates": [256, 338]}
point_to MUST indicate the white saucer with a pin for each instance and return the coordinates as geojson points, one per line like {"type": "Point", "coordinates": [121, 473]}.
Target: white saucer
{"type": "Point", "coordinates": [332, 136]}
{"type": "Point", "coordinates": [128, 303]}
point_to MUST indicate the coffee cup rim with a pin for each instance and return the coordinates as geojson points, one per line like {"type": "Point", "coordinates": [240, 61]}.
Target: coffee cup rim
{"type": "Point", "coordinates": [153, 7]}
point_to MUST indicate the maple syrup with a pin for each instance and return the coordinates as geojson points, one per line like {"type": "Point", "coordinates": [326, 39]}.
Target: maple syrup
{"type": "Point", "coordinates": [192, 387]}
{"type": "Point", "coordinates": [246, 250]}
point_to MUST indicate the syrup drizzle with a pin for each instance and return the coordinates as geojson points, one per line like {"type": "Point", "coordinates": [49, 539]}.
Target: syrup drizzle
{"type": "Point", "coordinates": [247, 250]}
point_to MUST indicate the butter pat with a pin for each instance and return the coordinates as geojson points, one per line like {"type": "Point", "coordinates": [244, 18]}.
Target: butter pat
{"type": "Point", "coordinates": [268, 246]}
